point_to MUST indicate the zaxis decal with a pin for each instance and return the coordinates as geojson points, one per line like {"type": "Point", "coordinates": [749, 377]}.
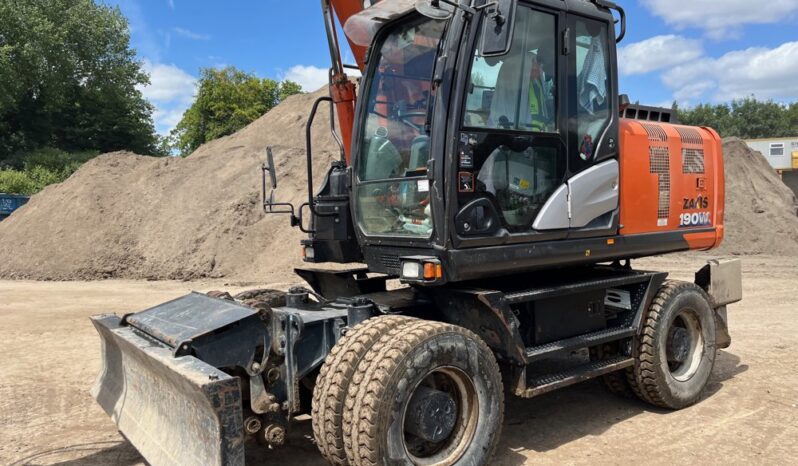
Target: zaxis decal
{"type": "Point", "coordinates": [700, 202]}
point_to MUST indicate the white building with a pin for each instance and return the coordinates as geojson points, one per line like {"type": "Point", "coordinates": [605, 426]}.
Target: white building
{"type": "Point", "coordinates": [782, 153]}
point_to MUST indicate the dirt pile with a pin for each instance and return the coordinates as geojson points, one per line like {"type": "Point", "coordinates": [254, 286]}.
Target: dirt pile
{"type": "Point", "coordinates": [127, 216]}
{"type": "Point", "coordinates": [124, 215]}
{"type": "Point", "coordinates": [760, 209]}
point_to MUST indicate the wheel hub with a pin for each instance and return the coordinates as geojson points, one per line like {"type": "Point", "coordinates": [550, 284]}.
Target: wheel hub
{"type": "Point", "coordinates": [431, 414]}
{"type": "Point", "coordinates": [678, 346]}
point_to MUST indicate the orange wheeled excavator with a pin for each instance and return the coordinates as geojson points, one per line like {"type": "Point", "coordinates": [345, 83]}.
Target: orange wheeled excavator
{"type": "Point", "coordinates": [491, 200]}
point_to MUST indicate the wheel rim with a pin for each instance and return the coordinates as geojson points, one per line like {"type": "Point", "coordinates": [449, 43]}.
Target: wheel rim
{"type": "Point", "coordinates": [458, 385]}
{"type": "Point", "coordinates": [684, 346]}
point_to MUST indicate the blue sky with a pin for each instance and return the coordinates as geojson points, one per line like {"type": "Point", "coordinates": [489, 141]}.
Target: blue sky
{"type": "Point", "coordinates": [691, 51]}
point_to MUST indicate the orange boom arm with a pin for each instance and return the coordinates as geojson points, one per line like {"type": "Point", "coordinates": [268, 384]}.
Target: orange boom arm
{"type": "Point", "coordinates": [342, 90]}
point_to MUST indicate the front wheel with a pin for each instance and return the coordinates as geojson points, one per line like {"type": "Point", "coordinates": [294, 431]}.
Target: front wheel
{"type": "Point", "coordinates": [431, 396]}
{"type": "Point", "coordinates": [676, 350]}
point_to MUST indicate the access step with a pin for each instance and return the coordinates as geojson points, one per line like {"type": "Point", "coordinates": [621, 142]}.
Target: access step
{"type": "Point", "coordinates": [549, 382]}
{"type": "Point", "coordinates": [536, 353]}
{"type": "Point", "coordinates": [581, 286]}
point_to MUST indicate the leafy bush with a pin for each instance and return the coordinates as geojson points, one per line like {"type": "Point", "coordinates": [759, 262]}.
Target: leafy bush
{"type": "Point", "coordinates": [32, 172]}
{"type": "Point", "coordinates": [56, 159]}
{"type": "Point", "coordinates": [16, 182]}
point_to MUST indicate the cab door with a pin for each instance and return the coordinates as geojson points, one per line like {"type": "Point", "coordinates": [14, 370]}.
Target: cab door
{"type": "Point", "coordinates": [537, 156]}
{"type": "Point", "coordinates": [593, 184]}
{"type": "Point", "coordinates": [587, 202]}
{"type": "Point", "coordinates": [512, 152]}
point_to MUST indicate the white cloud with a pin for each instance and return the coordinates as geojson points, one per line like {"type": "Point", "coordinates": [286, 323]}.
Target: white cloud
{"type": "Point", "coordinates": [721, 18]}
{"type": "Point", "coordinates": [657, 53]}
{"type": "Point", "coordinates": [765, 73]}
{"type": "Point", "coordinates": [171, 91]}
{"type": "Point", "coordinates": [190, 34]}
{"type": "Point", "coordinates": [311, 78]}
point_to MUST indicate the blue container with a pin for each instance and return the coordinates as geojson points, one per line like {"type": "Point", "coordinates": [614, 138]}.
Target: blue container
{"type": "Point", "coordinates": [10, 203]}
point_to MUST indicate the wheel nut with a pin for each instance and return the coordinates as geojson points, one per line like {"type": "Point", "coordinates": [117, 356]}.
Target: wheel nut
{"type": "Point", "coordinates": [252, 425]}
{"type": "Point", "coordinates": [274, 435]}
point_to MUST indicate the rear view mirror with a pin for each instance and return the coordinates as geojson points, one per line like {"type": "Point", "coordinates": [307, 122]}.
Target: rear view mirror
{"type": "Point", "coordinates": [270, 167]}
{"type": "Point", "coordinates": [269, 204]}
{"type": "Point", "coordinates": [497, 28]}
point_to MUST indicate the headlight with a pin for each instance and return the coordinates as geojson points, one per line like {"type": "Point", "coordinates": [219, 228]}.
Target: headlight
{"type": "Point", "coordinates": [308, 254]}
{"type": "Point", "coordinates": [411, 270]}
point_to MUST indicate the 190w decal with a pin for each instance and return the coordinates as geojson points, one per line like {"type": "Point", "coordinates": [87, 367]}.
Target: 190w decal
{"type": "Point", "coordinates": [696, 219]}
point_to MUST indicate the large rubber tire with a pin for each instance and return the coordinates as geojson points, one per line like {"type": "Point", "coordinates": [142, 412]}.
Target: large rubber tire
{"type": "Point", "coordinates": [333, 381]}
{"type": "Point", "coordinates": [673, 384]}
{"type": "Point", "coordinates": [396, 367]}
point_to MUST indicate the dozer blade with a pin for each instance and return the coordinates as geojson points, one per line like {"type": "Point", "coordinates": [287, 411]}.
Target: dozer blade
{"type": "Point", "coordinates": [174, 410]}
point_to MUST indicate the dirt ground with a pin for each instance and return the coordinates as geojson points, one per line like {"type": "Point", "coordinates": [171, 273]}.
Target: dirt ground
{"type": "Point", "coordinates": [49, 355]}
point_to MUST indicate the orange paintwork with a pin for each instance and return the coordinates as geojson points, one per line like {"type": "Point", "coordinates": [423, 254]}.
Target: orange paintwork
{"type": "Point", "coordinates": [696, 199]}
{"type": "Point", "coordinates": [342, 90]}
{"type": "Point", "coordinates": [345, 9]}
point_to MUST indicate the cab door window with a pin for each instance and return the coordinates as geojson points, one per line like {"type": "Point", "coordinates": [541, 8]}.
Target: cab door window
{"type": "Point", "coordinates": [592, 103]}
{"type": "Point", "coordinates": [516, 156]}
{"type": "Point", "coordinates": [517, 91]}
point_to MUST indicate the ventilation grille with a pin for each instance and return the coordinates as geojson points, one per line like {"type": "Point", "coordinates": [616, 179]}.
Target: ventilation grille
{"type": "Point", "coordinates": [655, 133]}
{"type": "Point", "coordinates": [391, 262]}
{"type": "Point", "coordinates": [690, 136]}
{"type": "Point", "coordinates": [692, 161]}
{"type": "Point", "coordinates": [659, 159]}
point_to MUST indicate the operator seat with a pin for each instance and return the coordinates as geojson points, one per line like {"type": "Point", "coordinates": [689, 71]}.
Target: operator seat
{"type": "Point", "coordinates": [419, 153]}
{"type": "Point", "coordinates": [505, 103]}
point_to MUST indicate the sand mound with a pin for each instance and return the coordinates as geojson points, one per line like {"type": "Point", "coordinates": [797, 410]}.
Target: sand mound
{"type": "Point", "coordinates": [127, 216]}
{"type": "Point", "coordinates": [124, 215]}
{"type": "Point", "coordinates": [760, 208]}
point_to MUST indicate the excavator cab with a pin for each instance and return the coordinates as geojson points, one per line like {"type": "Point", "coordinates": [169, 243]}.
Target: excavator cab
{"type": "Point", "coordinates": [489, 125]}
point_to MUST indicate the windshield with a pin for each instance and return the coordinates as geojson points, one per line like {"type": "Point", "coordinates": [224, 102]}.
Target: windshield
{"type": "Point", "coordinates": [393, 190]}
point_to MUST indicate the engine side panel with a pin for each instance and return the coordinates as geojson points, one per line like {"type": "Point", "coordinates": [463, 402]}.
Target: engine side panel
{"type": "Point", "coordinates": [672, 180]}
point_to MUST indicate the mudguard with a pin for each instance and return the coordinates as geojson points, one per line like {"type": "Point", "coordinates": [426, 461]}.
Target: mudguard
{"type": "Point", "coordinates": [174, 410]}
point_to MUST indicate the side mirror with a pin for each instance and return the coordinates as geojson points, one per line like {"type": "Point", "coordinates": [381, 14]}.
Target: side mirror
{"type": "Point", "coordinates": [269, 166]}
{"type": "Point", "coordinates": [497, 30]}
{"type": "Point", "coordinates": [270, 206]}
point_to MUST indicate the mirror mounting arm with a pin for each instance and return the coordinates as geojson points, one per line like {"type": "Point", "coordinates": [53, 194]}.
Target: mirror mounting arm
{"type": "Point", "coordinates": [614, 6]}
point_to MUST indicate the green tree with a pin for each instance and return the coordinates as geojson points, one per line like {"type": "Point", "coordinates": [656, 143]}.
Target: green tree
{"type": "Point", "coordinates": [289, 88]}
{"type": "Point", "coordinates": [759, 119]}
{"type": "Point", "coordinates": [227, 100]}
{"type": "Point", "coordinates": [793, 116]}
{"type": "Point", "coordinates": [69, 79]}
{"type": "Point", "coordinates": [747, 118]}
{"type": "Point", "coordinates": [715, 116]}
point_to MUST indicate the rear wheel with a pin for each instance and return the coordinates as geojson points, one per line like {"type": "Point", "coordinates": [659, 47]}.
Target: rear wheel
{"type": "Point", "coordinates": [676, 350]}
{"type": "Point", "coordinates": [334, 378]}
{"type": "Point", "coordinates": [431, 396]}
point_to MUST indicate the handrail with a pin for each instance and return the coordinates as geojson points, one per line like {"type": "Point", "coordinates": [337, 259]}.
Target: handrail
{"type": "Point", "coordinates": [309, 154]}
